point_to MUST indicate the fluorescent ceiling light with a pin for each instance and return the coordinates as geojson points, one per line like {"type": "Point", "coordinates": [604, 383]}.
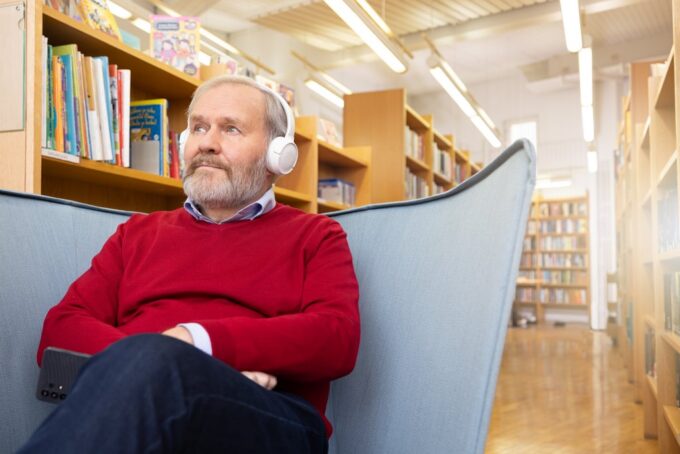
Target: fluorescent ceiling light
{"type": "Point", "coordinates": [585, 72]}
{"type": "Point", "coordinates": [549, 183]}
{"type": "Point", "coordinates": [337, 85]}
{"type": "Point", "coordinates": [357, 19]}
{"type": "Point", "coordinates": [324, 92]}
{"type": "Point", "coordinates": [588, 123]}
{"type": "Point", "coordinates": [453, 91]}
{"type": "Point", "coordinates": [374, 16]}
{"type": "Point", "coordinates": [119, 11]}
{"type": "Point", "coordinates": [592, 161]}
{"type": "Point", "coordinates": [486, 131]}
{"type": "Point", "coordinates": [571, 20]}
{"type": "Point", "coordinates": [142, 24]}
{"type": "Point", "coordinates": [217, 40]}
{"type": "Point", "coordinates": [204, 58]}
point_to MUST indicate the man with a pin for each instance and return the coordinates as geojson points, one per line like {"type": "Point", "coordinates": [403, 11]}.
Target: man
{"type": "Point", "coordinates": [257, 303]}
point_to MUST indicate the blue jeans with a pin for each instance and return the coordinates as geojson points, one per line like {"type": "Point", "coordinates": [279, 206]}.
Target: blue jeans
{"type": "Point", "coordinates": [154, 394]}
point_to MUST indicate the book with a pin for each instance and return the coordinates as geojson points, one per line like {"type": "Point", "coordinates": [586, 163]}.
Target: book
{"type": "Point", "coordinates": [115, 113]}
{"type": "Point", "coordinates": [176, 41]}
{"type": "Point", "coordinates": [288, 94]}
{"type": "Point", "coordinates": [103, 106]}
{"type": "Point", "coordinates": [336, 190]}
{"type": "Point", "coordinates": [58, 97]}
{"type": "Point", "coordinates": [93, 126]}
{"type": "Point", "coordinates": [231, 66]}
{"type": "Point", "coordinates": [97, 15]}
{"type": "Point", "coordinates": [70, 138]}
{"type": "Point", "coordinates": [328, 132]}
{"type": "Point", "coordinates": [124, 83]}
{"type": "Point", "coordinates": [149, 123]}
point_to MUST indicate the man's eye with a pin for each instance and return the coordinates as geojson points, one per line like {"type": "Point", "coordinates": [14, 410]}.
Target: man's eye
{"type": "Point", "coordinates": [233, 129]}
{"type": "Point", "coordinates": [199, 128]}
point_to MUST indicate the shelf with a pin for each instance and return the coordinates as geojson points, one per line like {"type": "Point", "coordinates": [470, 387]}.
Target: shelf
{"type": "Point", "coordinates": [414, 120]}
{"type": "Point", "coordinates": [649, 321]}
{"type": "Point", "coordinates": [441, 179]}
{"type": "Point", "coordinates": [667, 176]}
{"type": "Point", "coordinates": [644, 142]}
{"type": "Point", "coordinates": [665, 97]}
{"type": "Point", "coordinates": [651, 381]}
{"type": "Point", "coordinates": [564, 306]}
{"type": "Point", "coordinates": [100, 173]}
{"type": "Point", "coordinates": [326, 206]}
{"type": "Point", "coordinates": [564, 285]}
{"type": "Point", "coordinates": [562, 251]}
{"type": "Point", "coordinates": [442, 141]}
{"type": "Point", "coordinates": [672, 416]}
{"type": "Point", "coordinates": [563, 234]}
{"type": "Point", "coordinates": [527, 283]}
{"type": "Point", "coordinates": [671, 258]}
{"type": "Point", "coordinates": [342, 157]}
{"type": "Point", "coordinates": [302, 137]}
{"type": "Point", "coordinates": [564, 268]}
{"type": "Point", "coordinates": [289, 196]}
{"type": "Point", "coordinates": [153, 77]}
{"type": "Point", "coordinates": [527, 303]}
{"type": "Point", "coordinates": [557, 218]}
{"type": "Point", "coordinates": [416, 164]}
{"type": "Point", "coordinates": [672, 339]}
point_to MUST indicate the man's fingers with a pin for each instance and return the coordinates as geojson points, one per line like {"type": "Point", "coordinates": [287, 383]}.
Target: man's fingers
{"type": "Point", "coordinates": [265, 380]}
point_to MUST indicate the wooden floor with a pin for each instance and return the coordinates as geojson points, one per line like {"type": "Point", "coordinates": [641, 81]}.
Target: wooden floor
{"type": "Point", "coordinates": [564, 390]}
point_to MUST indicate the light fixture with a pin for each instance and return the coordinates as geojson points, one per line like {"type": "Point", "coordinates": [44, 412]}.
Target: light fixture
{"type": "Point", "coordinates": [320, 89]}
{"type": "Point", "coordinates": [592, 161]}
{"type": "Point", "coordinates": [585, 72]}
{"type": "Point", "coordinates": [550, 183]}
{"type": "Point", "coordinates": [357, 18]}
{"type": "Point", "coordinates": [142, 24]}
{"type": "Point", "coordinates": [453, 85]}
{"type": "Point", "coordinates": [588, 123]}
{"type": "Point", "coordinates": [571, 20]}
{"type": "Point", "coordinates": [119, 11]}
{"type": "Point", "coordinates": [335, 84]}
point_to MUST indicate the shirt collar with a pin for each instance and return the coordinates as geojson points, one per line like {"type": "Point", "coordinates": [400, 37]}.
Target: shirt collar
{"type": "Point", "coordinates": [263, 205]}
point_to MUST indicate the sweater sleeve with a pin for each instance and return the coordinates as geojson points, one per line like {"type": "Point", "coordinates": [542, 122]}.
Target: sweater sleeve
{"type": "Point", "coordinates": [320, 343]}
{"type": "Point", "coordinates": [85, 319]}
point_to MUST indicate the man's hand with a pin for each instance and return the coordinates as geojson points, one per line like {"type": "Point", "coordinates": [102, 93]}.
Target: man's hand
{"type": "Point", "coordinates": [265, 380]}
{"type": "Point", "coordinates": [181, 333]}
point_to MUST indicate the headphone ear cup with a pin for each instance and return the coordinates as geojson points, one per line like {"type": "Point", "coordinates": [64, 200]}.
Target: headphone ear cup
{"type": "Point", "coordinates": [282, 156]}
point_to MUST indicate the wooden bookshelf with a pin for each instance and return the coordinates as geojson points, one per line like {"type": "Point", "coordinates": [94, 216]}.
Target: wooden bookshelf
{"type": "Point", "coordinates": [384, 121]}
{"type": "Point", "coordinates": [557, 232]}
{"type": "Point", "coordinates": [26, 168]}
{"type": "Point", "coordinates": [648, 241]}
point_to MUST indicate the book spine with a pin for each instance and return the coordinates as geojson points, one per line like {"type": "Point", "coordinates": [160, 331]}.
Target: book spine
{"type": "Point", "coordinates": [58, 95]}
{"type": "Point", "coordinates": [125, 79]}
{"type": "Point", "coordinates": [71, 139]}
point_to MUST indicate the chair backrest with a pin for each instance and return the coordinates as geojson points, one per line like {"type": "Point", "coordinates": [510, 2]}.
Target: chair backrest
{"type": "Point", "coordinates": [45, 244]}
{"type": "Point", "coordinates": [437, 279]}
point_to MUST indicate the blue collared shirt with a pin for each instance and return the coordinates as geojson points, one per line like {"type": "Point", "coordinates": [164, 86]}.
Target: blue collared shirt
{"type": "Point", "coordinates": [261, 206]}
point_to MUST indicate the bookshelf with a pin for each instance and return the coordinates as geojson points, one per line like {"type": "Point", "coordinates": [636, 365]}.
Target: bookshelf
{"type": "Point", "coordinates": [555, 264]}
{"type": "Point", "coordinates": [648, 243]}
{"type": "Point", "coordinates": [26, 168]}
{"type": "Point", "coordinates": [410, 151]}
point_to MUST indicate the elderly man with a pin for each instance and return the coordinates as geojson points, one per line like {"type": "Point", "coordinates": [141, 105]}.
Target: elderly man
{"type": "Point", "coordinates": [256, 301]}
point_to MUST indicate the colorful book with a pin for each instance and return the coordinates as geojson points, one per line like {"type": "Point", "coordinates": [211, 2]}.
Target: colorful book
{"type": "Point", "coordinates": [115, 113]}
{"type": "Point", "coordinates": [93, 125]}
{"type": "Point", "coordinates": [176, 41]}
{"type": "Point", "coordinates": [97, 15]}
{"type": "Point", "coordinates": [58, 97]}
{"type": "Point", "coordinates": [103, 105]}
{"type": "Point", "coordinates": [124, 81]}
{"type": "Point", "coordinates": [70, 136]}
{"type": "Point", "coordinates": [149, 136]}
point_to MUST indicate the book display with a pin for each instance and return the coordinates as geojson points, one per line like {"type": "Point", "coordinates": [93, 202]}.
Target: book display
{"type": "Point", "coordinates": [80, 142]}
{"type": "Point", "coordinates": [648, 246]}
{"type": "Point", "coordinates": [555, 266]}
{"type": "Point", "coordinates": [409, 149]}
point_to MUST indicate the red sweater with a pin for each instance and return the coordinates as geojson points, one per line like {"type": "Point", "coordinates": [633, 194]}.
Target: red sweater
{"type": "Point", "coordinates": [277, 294]}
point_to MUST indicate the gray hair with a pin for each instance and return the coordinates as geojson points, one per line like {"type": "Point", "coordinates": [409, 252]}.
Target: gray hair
{"type": "Point", "coordinates": [275, 115]}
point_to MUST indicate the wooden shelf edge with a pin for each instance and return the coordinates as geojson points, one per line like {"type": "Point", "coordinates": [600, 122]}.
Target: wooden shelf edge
{"type": "Point", "coordinates": [667, 85]}
{"type": "Point", "coordinates": [651, 381]}
{"type": "Point", "coordinates": [673, 340]}
{"type": "Point", "coordinates": [672, 416]}
{"type": "Point", "coordinates": [327, 205]}
{"type": "Point", "coordinates": [666, 169]}
{"type": "Point", "coordinates": [416, 164]}
{"type": "Point", "coordinates": [565, 306]}
{"type": "Point", "coordinates": [446, 143]}
{"type": "Point", "coordinates": [649, 321]}
{"type": "Point", "coordinates": [441, 179]}
{"type": "Point", "coordinates": [422, 123]}
{"type": "Point", "coordinates": [644, 141]}
{"type": "Point", "coordinates": [285, 195]}
{"type": "Point", "coordinates": [351, 157]}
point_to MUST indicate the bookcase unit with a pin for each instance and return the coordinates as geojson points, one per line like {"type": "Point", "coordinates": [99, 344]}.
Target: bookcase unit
{"type": "Point", "coordinates": [555, 263]}
{"type": "Point", "coordinates": [648, 242]}
{"type": "Point", "coordinates": [384, 121]}
{"type": "Point", "coordinates": [25, 168]}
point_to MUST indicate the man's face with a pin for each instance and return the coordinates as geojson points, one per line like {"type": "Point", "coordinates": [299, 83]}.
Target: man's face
{"type": "Point", "coordinates": [225, 151]}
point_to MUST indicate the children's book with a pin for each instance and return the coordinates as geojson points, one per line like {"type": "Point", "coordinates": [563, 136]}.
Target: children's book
{"type": "Point", "coordinates": [149, 136]}
{"type": "Point", "coordinates": [97, 15]}
{"type": "Point", "coordinates": [176, 41]}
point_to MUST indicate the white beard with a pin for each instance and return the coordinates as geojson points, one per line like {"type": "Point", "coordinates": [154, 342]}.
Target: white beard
{"type": "Point", "coordinates": [224, 188]}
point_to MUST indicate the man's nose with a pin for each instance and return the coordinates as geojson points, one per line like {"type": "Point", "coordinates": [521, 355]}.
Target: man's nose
{"type": "Point", "coordinates": [210, 141]}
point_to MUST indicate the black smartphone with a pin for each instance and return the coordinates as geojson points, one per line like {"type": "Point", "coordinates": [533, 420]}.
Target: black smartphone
{"type": "Point", "coordinates": [58, 373]}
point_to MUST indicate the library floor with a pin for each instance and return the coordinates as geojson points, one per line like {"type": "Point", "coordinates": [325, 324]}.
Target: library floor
{"type": "Point", "coordinates": [564, 390]}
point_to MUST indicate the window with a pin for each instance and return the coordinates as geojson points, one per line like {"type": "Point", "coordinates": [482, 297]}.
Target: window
{"type": "Point", "coordinates": [523, 129]}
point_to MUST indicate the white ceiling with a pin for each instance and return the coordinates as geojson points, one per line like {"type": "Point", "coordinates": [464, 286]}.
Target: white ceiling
{"type": "Point", "coordinates": [481, 39]}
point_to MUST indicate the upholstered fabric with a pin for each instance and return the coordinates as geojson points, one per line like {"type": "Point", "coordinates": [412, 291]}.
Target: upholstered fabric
{"type": "Point", "coordinates": [436, 279]}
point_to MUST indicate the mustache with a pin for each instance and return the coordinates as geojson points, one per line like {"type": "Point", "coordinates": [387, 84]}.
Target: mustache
{"type": "Point", "coordinates": [206, 160]}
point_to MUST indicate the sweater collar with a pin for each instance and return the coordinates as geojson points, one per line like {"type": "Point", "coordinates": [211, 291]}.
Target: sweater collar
{"type": "Point", "coordinates": [261, 206]}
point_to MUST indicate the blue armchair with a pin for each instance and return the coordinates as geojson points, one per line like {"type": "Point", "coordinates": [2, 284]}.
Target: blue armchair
{"type": "Point", "coordinates": [437, 279]}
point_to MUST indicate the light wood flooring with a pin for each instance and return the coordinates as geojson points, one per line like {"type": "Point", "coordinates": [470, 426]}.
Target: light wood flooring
{"type": "Point", "coordinates": [562, 391]}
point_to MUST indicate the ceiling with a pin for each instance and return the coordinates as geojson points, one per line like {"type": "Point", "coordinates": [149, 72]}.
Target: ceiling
{"type": "Point", "coordinates": [481, 39]}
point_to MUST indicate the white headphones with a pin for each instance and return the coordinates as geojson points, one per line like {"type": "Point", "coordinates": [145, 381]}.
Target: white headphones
{"type": "Point", "coordinates": [282, 153]}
